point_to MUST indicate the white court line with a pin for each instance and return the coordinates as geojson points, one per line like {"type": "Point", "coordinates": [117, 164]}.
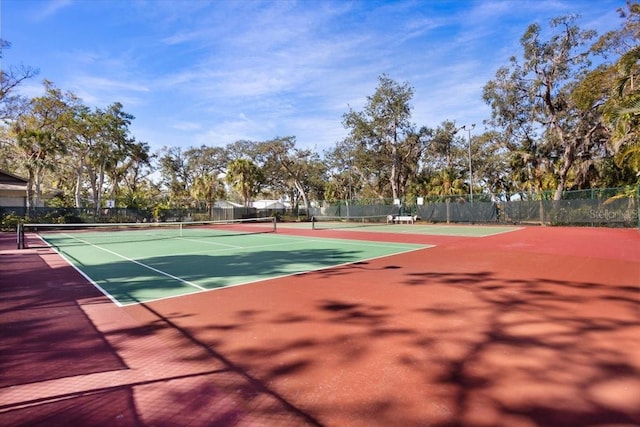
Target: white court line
{"type": "Point", "coordinates": [424, 230]}
{"type": "Point", "coordinates": [350, 241]}
{"type": "Point", "coordinates": [164, 273]}
{"type": "Point", "coordinates": [304, 240]}
{"type": "Point", "coordinates": [210, 243]}
{"type": "Point", "coordinates": [82, 273]}
{"type": "Point", "coordinates": [288, 241]}
{"type": "Point", "coordinates": [242, 248]}
{"type": "Point", "coordinates": [327, 267]}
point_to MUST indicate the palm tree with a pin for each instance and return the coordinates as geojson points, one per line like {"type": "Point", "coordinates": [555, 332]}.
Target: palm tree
{"type": "Point", "coordinates": [622, 111]}
{"type": "Point", "coordinates": [446, 184]}
{"type": "Point", "coordinates": [207, 189]}
{"type": "Point", "coordinates": [245, 177]}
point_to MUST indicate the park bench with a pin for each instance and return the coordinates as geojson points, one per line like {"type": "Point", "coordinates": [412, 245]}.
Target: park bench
{"type": "Point", "coordinates": [400, 219]}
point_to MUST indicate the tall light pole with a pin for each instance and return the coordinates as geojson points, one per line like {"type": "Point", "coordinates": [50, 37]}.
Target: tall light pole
{"type": "Point", "coordinates": [469, 129]}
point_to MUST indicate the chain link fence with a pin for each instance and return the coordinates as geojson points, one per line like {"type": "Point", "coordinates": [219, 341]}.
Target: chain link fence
{"type": "Point", "coordinates": [10, 217]}
{"type": "Point", "coordinates": [608, 207]}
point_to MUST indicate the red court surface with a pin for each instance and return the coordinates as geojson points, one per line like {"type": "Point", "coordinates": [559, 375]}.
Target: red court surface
{"type": "Point", "coordinates": [536, 327]}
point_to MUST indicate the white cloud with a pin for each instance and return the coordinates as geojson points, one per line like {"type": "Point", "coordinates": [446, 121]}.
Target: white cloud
{"type": "Point", "coordinates": [230, 131]}
{"type": "Point", "coordinates": [50, 9]}
{"type": "Point", "coordinates": [214, 72]}
{"type": "Point", "coordinates": [109, 84]}
{"type": "Point", "coordinates": [102, 91]}
{"type": "Point", "coordinates": [184, 37]}
{"type": "Point", "coordinates": [31, 89]}
{"type": "Point", "coordinates": [187, 126]}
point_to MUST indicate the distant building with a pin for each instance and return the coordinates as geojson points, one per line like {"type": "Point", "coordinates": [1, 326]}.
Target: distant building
{"type": "Point", "coordinates": [13, 190]}
{"type": "Point", "coordinates": [225, 204]}
{"type": "Point", "coordinates": [268, 204]}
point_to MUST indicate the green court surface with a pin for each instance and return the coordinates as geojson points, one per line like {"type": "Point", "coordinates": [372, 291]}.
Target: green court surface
{"type": "Point", "coordinates": [448, 230]}
{"type": "Point", "coordinates": [131, 270]}
{"type": "Point", "coordinates": [428, 229]}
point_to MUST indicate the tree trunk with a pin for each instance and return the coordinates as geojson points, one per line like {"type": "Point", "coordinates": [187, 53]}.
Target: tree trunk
{"type": "Point", "coordinates": [567, 162]}
{"type": "Point", "coordinates": [98, 193]}
{"type": "Point", "coordinates": [38, 188]}
{"type": "Point", "coordinates": [394, 172]}
{"type": "Point", "coordinates": [29, 191]}
{"type": "Point", "coordinates": [78, 192]}
{"type": "Point", "coordinates": [303, 194]}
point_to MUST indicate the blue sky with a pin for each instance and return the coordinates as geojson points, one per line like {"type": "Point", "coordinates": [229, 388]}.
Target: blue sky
{"type": "Point", "coordinates": [199, 72]}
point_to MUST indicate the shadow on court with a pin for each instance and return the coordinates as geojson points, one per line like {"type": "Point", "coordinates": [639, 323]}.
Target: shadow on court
{"type": "Point", "coordinates": [58, 369]}
{"type": "Point", "coordinates": [449, 336]}
{"type": "Point", "coordinates": [430, 339]}
{"type": "Point", "coordinates": [502, 352]}
{"type": "Point", "coordinates": [45, 336]}
{"type": "Point", "coordinates": [551, 352]}
{"type": "Point", "coordinates": [166, 276]}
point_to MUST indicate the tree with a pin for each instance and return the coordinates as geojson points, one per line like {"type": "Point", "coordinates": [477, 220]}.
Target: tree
{"type": "Point", "coordinates": [82, 132]}
{"type": "Point", "coordinates": [360, 169]}
{"type": "Point", "coordinates": [130, 185]}
{"type": "Point", "coordinates": [288, 167]}
{"type": "Point", "coordinates": [174, 174]}
{"type": "Point", "coordinates": [11, 104]}
{"type": "Point", "coordinates": [241, 149]}
{"type": "Point", "coordinates": [207, 189]}
{"type": "Point", "coordinates": [443, 149]}
{"type": "Point", "coordinates": [40, 135]}
{"type": "Point", "coordinates": [384, 128]}
{"type": "Point", "coordinates": [346, 178]}
{"type": "Point", "coordinates": [203, 160]}
{"type": "Point", "coordinates": [133, 170]}
{"type": "Point", "coordinates": [621, 110]}
{"type": "Point", "coordinates": [112, 149]}
{"type": "Point", "coordinates": [100, 144]}
{"type": "Point", "coordinates": [490, 163]}
{"type": "Point", "coordinates": [445, 164]}
{"type": "Point", "coordinates": [245, 177]}
{"type": "Point", "coordinates": [532, 104]}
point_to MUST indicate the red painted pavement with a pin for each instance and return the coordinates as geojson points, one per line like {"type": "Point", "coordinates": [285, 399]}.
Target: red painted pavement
{"type": "Point", "coordinates": [538, 327]}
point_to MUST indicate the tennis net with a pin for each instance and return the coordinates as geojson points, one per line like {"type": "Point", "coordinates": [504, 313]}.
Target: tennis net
{"type": "Point", "coordinates": [327, 222]}
{"type": "Point", "coordinates": [57, 235]}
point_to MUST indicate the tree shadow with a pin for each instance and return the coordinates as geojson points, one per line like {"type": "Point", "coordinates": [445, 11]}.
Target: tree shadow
{"type": "Point", "coordinates": [43, 324]}
{"type": "Point", "coordinates": [467, 348]}
{"type": "Point", "coordinates": [547, 350]}
{"type": "Point", "coordinates": [159, 276]}
{"type": "Point", "coordinates": [505, 349]}
{"type": "Point", "coordinates": [511, 351]}
{"type": "Point", "coordinates": [46, 337]}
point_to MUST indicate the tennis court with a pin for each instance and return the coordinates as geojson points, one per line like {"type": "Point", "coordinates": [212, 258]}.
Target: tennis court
{"type": "Point", "coordinates": [136, 263]}
{"type": "Point", "coordinates": [373, 325]}
{"type": "Point", "coordinates": [379, 224]}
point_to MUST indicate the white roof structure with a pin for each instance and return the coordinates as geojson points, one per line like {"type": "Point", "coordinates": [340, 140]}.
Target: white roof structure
{"type": "Point", "coordinates": [268, 204]}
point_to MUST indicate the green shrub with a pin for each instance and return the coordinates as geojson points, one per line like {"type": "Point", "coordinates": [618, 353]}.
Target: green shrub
{"type": "Point", "coordinates": [10, 221]}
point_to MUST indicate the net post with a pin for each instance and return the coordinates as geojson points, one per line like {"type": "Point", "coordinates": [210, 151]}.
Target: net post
{"type": "Point", "coordinates": [313, 222]}
{"type": "Point", "coordinates": [275, 222]}
{"type": "Point", "coordinates": [20, 236]}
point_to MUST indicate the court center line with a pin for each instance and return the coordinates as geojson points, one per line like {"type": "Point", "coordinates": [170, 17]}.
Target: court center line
{"type": "Point", "coordinates": [304, 241]}
{"type": "Point", "coordinates": [425, 230]}
{"type": "Point", "coordinates": [351, 242]}
{"type": "Point", "coordinates": [82, 273]}
{"type": "Point", "coordinates": [164, 273]}
{"type": "Point", "coordinates": [312, 270]}
{"type": "Point", "coordinates": [210, 243]}
{"type": "Point", "coordinates": [252, 247]}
